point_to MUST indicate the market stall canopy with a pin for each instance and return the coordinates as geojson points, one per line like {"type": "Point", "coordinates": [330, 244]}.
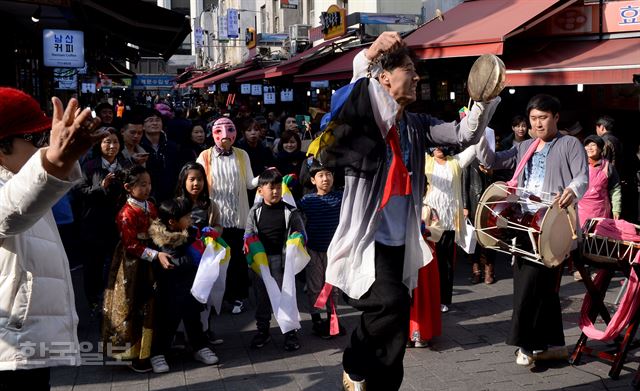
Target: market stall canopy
{"type": "Point", "coordinates": [157, 30]}
{"type": "Point", "coordinates": [612, 61]}
{"type": "Point", "coordinates": [198, 77]}
{"type": "Point", "coordinates": [293, 65]}
{"type": "Point", "coordinates": [340, 68]}
{"type": "Point", "coordinates": [479, 27]}
{"type": "Point", "coordinates": [227, 75]}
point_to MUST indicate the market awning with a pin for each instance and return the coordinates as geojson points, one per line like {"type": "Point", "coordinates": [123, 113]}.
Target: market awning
{"type": "Point", "coordinates": [340, 68]}
{"type": "Point", "coordinates": [612, 61]}
{"type": "Point", "coordinates": [226, 75]}
{"type": "Point", "coordinates": [155, 29]}
{"type": "Point", "coordinates": [292, 65]}
{"type": "Point", "coordinates": [478, 27]}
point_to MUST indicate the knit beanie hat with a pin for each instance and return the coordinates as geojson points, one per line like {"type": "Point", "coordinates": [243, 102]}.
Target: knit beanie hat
{"type": "Point", "coordinates": [594, 139]}
{"type": "Point", "coordinates": [20, 114]}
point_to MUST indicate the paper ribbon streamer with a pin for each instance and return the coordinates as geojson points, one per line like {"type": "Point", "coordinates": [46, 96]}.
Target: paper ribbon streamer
{"type": "Point", "coordinates": [283, 301]}
{"type": "Point", "coordinates": [210, 281]}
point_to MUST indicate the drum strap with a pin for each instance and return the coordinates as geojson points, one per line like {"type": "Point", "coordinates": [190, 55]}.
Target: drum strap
{"type": "Point", "coordinates": [532, 149]}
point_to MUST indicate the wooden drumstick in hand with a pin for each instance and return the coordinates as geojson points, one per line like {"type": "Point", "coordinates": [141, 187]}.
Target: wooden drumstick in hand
{"type": "Point", "coordinates": [574, 235]}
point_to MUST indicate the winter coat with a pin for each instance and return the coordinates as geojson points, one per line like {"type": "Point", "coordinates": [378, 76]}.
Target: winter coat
{"type": "Point", "coordinates": [175, 244]}
{"type": "Point", "coordinates": [99, 206]}
{"type": "Point", "coordinates": [292, 217]}
{"type": "Point", "coordinates": [38, 320]}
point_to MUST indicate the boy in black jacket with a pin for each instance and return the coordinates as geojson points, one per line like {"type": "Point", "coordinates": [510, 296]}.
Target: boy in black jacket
{"type": "Point", "coordinates": [272, 220]}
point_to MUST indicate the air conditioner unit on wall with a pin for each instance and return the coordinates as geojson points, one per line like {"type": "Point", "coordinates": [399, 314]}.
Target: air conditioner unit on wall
{"type": "Point", "coordinates": [299, 32]}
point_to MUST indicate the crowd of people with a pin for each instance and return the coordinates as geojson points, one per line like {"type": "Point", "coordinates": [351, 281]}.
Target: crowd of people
{"type": "Point", "coordinates": [157, 182]}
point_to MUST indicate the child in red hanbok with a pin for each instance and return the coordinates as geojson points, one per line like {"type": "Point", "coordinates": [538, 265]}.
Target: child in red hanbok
{"type": "Point", "coordinates": [127, 326]}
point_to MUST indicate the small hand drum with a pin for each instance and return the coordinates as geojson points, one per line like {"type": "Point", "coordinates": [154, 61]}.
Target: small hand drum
{"type": "Point", "coordinates": [543, 236]}
{"type": "Point", "coordinates": [486, 78]}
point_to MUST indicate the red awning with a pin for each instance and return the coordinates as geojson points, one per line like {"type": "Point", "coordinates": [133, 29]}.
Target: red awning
{"type": "Point", "coordinates": [612, 61]}
{"type": "Point", "coordinates": [201, 81]}
{"type": "Point", "coordinates": [253, 75]}
{"type": "Point", "coordinates": [290, 66]}
{"type": "Point", "coordinates": [340, 68]}
{"type": "Point", "coordinates": [226, 75]}
{"type": "Point", "coordinates": [476, 27]}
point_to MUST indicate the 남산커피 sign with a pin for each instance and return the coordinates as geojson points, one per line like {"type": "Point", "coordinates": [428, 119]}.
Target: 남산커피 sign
{"type": "Point", "coordinates": [63, 48]}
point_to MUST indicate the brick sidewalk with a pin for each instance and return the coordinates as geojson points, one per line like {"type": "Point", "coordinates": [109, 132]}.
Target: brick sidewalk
{"type": "Point", "coordinates": [470, 355]}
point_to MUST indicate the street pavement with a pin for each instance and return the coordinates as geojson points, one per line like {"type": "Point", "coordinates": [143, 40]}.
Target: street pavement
{"type": "Point", "coordinates": [470, 355]}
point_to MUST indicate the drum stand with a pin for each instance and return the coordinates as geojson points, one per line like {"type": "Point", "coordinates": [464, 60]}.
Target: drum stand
{"type": "Point", "coordinates": [624, 343]}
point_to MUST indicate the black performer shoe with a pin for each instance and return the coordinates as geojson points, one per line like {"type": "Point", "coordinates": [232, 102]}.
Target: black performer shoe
{"type": "Point", "coordinates": [260, 339]}
{"type": "Point", "coordinates": [291, 342]}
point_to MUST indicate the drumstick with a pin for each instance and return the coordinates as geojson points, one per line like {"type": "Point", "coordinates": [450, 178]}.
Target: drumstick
{"type": "Point", "coordinates": [574, 236]}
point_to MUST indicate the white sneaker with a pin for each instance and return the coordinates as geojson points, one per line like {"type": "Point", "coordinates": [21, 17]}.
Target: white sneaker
{"type": "Point", "coordinates": [421, 344]}
{"type": "Point", "coordinates": [159, 364]}
{"type": "Point", "coordinates": [444, 308]}
{"type": "Point", "coordinates": [206, 356]}
{"type": "Point", "coordinates": [523, 359]}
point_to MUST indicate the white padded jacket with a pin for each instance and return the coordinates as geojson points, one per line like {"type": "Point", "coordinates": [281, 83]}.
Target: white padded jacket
{"type": "Point", "coordinates": [38, 320]}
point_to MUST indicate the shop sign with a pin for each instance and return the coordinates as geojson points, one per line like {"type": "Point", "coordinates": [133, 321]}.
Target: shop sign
{"type": "Point", "coordinates": [286, 95]}
{"type": "Point", "coordinates": [224, 87]}
{"type": "Point", "coordinates": [320, 84]}
{"type": "Point", "coordinates": [256, 89]}
{"type": "Point", "coordinates": [211, 88]}
{"type": "Point", "coordinates": [65, 79]}
{"type": "Point", "coordinates": [290, 4]}
{"type": "Point", "coordinates": [245, 89]}
{"type": "Point", "coordinates": [269, 97]}
{"type": "Point", "coordinates": [88, 88]}
{"type": "Point", "coordinates": [334, 22]}
{"type": "Point", "coordinates": [153, 81]}
{"type": "Point", "coordinates": [250, 37]}
{"type": "Point", "coordinates": [63, 48]}
{"type": "Point", "coordinates": [622, 16]}
{"type": "Point", "coordinates": [367, 18]}
{"type": "Point", "coordinates": [233, 23]}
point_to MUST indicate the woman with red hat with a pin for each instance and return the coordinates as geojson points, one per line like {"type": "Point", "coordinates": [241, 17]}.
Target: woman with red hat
{"type": "Point", "coordinates": [37, 307]}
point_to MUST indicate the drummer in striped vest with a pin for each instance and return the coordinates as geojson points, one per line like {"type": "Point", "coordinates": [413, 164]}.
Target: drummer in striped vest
{"type": "Point", "coordinates": [555, 167]}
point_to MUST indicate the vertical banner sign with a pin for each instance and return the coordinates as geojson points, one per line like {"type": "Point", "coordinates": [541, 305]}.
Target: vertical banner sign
{"type": "Point", "coordinates": [199, 37]}
{"type": "Point", "coordinates": [290, 4]}
{"type": "Point", "coordinates": [223, 34]}
{"type": "Point", "coordinates": [233, 23]}
{"type": "Point", "coordinates": [63, 48]}
{"type": "Point", "coordinates": [245, 89]}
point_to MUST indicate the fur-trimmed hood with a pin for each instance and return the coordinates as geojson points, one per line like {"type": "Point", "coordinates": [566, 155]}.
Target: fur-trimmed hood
{"type": "Point", "coordinates": [162, 237]}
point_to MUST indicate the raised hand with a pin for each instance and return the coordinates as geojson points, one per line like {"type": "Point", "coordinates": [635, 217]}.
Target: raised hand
{"type": "Point", "coordinates": [73, 132]}
{"type": "Point", "coordinates": [387, 41]}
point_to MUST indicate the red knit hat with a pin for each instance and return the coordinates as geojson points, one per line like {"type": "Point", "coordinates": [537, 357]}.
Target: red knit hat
{"type": "Point", "coordinates": [20, 114]}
